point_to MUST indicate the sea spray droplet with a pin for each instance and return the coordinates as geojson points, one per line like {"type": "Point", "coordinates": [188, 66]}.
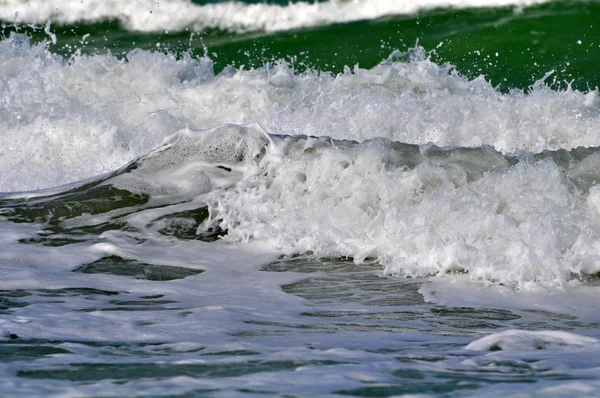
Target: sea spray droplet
{"type": "Point", "coordinates": [49, 33]}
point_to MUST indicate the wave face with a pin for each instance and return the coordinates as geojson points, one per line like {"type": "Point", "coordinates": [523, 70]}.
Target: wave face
{"type": "Point", "coordinates": [233, 16]}
{"type": "Point", "coordinates": [72, 119]}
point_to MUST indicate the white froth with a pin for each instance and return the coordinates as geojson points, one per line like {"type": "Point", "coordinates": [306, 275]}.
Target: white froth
{"type": "Point", "coordinates": [63, 121]}
{"type": "Point", "coordinates": [516, 340]}
{"type": "Point", "coordinates": [191, 163]}
{"type": "Point", "coordinates": [568, 302]}
{"type": "Point", "coordinates": [236, 16]}
{"type": "Point", "coordinates": [231, 290]}
{"type": "Point", "coordinates": [523, 226]}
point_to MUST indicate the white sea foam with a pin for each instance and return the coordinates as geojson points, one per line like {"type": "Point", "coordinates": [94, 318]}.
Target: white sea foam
{"type": "Point", "coordinates": [63, 121]}
{"type": "Point", "coordinates": [419, 211]}
{"type": "Point", "coordinates": [217, 310]}
{"type": "Point", "coordinates": [533, 224]}
{"type": "Point", "coordinates": [568, 302]}
{"type": "Point", "coordinates": [236, 16]}
{"type": "Point", "coordinates": [190, 163]}
{"type": "Point", "coordinates": [516, 340]}
{"type": "Point", "coordinates": [523, 226]}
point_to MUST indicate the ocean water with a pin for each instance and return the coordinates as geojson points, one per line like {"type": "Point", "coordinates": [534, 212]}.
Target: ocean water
{"type": "Point", "coordinates": [290, 199]}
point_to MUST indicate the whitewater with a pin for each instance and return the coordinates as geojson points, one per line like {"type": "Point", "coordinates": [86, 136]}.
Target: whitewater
{"type": "Point", "coordinates": [168, 227]}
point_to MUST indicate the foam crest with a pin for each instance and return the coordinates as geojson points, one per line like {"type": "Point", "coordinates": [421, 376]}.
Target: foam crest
{"type": "Point", "coordinates": [236, 16]}
{"type": "Point", "coordinates": [66, 120]}
{"type": "Point", "coordinates": [417, 211]}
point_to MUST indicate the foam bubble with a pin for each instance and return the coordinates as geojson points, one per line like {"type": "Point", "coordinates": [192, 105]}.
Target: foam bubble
{"type": "Point", "coordinates": [518, 340]}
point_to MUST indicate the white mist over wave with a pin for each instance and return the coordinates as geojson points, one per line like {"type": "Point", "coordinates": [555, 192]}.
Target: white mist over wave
{"type": "Point", "coordinates": [65, 120]}
{"type": "Point", "coordinates": [236, 16]}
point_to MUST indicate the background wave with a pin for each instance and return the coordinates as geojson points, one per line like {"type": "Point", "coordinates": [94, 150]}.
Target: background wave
{"type": "Point", "coordinates": [233, 16]}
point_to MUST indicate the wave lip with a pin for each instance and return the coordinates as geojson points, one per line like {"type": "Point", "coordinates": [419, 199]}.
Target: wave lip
{"type": "Point", "coordinates": [71, 119]}
{"type": "Point", "coordinates": [235, 16]}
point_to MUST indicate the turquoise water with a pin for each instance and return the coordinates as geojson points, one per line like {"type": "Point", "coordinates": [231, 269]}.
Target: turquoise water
{"type": "Point", "coordinates": [341, 198]}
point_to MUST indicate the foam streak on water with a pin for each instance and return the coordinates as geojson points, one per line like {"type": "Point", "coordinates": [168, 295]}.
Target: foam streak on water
{"type": "Point", "coordinates": [232, 16]}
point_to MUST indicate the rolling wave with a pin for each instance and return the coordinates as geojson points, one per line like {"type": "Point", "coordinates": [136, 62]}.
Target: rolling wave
{"type": "Point", "coordinates": [233, 16]}
{"type": "Point", "coordinates": [419, 210]}
{"type": "Point", "coordinates": [67, 120]}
